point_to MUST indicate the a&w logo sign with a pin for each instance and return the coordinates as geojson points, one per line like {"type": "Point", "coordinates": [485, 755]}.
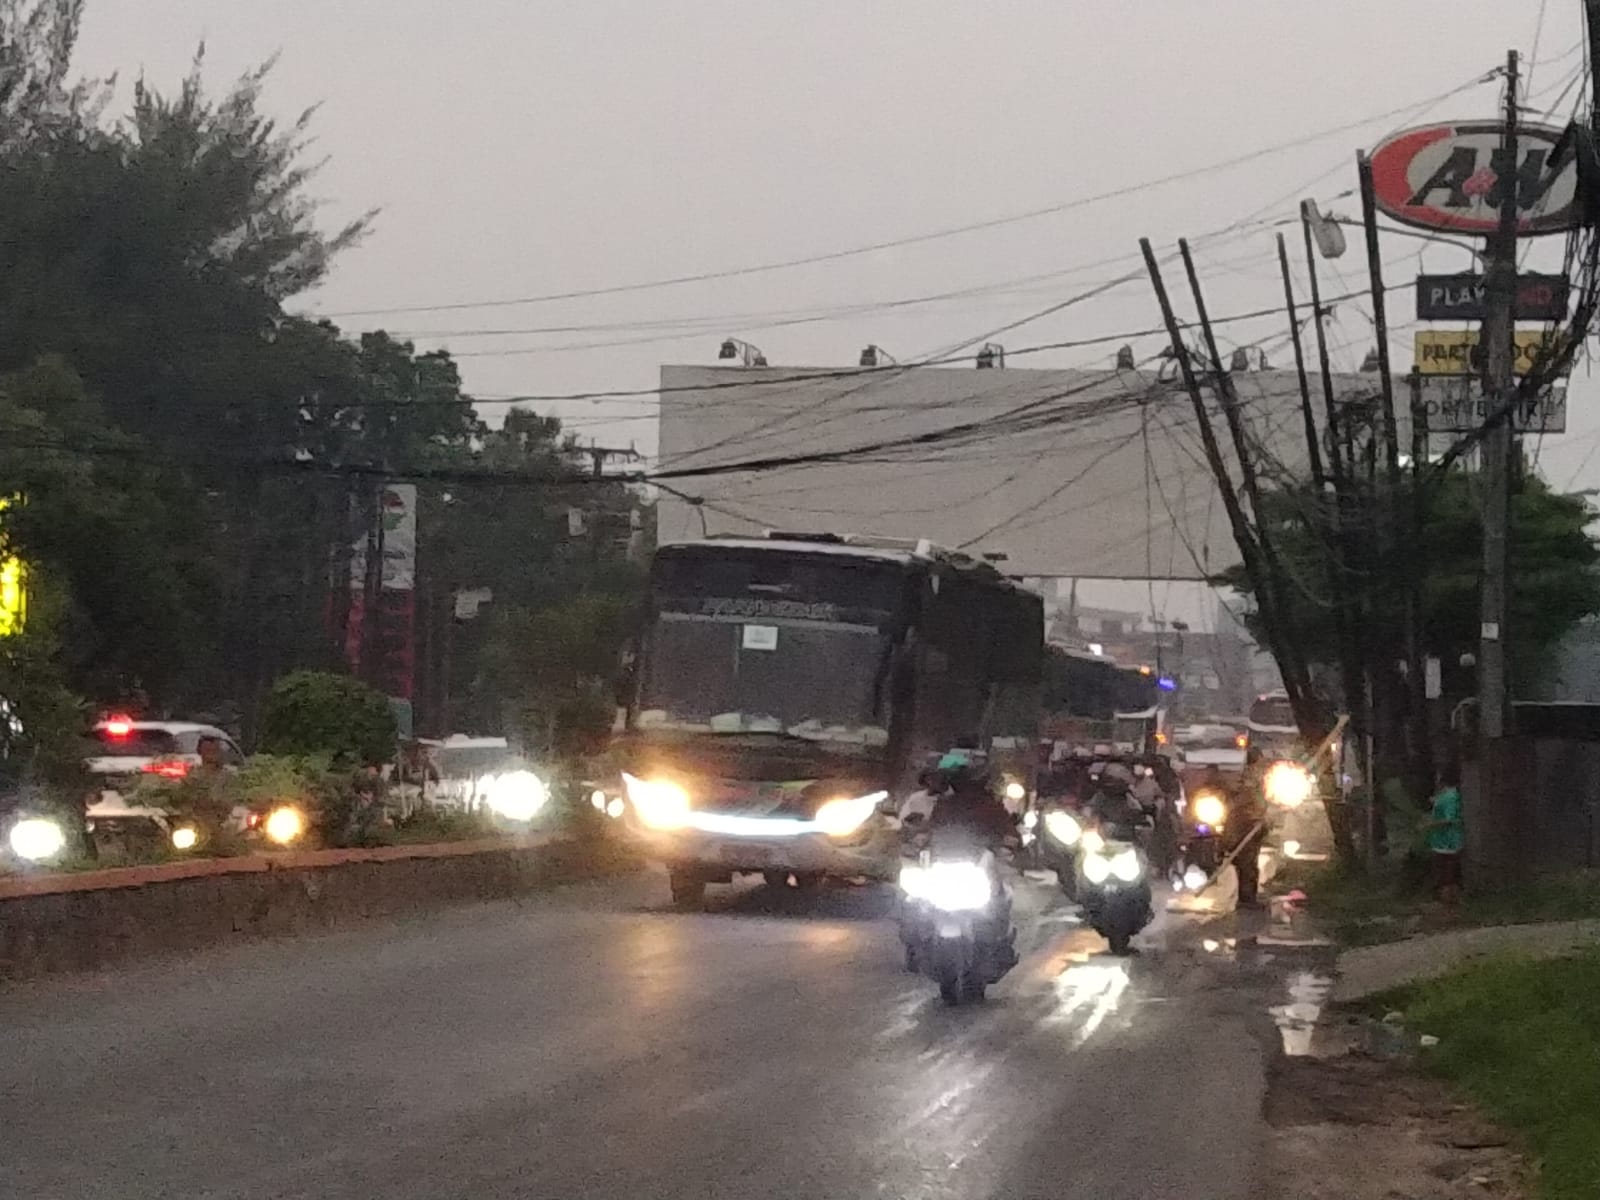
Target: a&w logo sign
{"type": "Point", "coordinates": [1452, 178]}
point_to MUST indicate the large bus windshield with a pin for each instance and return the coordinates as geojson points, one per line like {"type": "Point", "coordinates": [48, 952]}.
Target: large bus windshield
{"type": "Point", "coordinates": [757, 641]}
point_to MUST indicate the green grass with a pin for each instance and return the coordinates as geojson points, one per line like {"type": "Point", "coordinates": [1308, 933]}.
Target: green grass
{"type": "Point", "coordinates": [1522, 1038]}
{"type": "Point", "coordinates": [1361, 909]}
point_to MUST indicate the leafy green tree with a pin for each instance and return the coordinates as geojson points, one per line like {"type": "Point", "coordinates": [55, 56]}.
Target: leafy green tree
{"type": "Point", "coordinates": [1555, 572]}
{"type": "Point", "coordinates": [317, 713]}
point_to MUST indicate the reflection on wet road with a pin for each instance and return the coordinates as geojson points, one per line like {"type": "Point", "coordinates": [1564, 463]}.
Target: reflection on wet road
{"type": "Point", "coordinates": [592, 1043]}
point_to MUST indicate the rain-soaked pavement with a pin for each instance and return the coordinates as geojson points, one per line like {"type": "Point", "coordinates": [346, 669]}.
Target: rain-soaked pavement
{"type": "Point", "coordinates": [593, 1043]}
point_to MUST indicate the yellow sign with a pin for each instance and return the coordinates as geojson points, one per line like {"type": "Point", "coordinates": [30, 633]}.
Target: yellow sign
{"type": "Point", "coordinates": [1455, 351]}
{"type": "Point", "coordinates": [13, 596]}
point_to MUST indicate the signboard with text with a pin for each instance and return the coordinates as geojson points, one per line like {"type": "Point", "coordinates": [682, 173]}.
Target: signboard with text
{"type": "Point", "coordinates": [1455, 404]}
{"type": "Point", "coordinates": [1460, 298]}
{"type": "Point", "coordinates": [1455, 351]}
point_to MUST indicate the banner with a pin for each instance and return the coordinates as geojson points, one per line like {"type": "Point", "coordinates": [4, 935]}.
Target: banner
{"type": "Point", "coordinates": [399, 516]}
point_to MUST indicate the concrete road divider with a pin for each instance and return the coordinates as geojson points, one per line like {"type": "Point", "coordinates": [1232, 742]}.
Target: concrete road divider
{"type": "Point", "coordinates": [90, 919]}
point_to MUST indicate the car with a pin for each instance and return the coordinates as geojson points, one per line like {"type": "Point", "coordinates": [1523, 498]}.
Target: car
{"type": "Point", "coordinates": [123, 752]}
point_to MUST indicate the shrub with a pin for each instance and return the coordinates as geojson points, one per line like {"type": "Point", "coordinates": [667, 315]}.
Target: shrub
{"type": "Point", "coordinates": [316, 713]}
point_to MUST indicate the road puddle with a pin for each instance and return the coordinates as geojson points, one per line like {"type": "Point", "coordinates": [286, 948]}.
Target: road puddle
{"type": "Point", "coordinates": [1297, 1020]}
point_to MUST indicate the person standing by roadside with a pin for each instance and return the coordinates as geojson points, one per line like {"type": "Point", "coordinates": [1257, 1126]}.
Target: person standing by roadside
{"type": "Point", "coordinates": [1446, 837]}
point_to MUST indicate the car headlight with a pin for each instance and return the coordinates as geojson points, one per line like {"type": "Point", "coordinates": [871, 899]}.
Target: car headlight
{"type": "Point", "coordinates": [185, 837]}
{"type": "Point", "coordinates": [1096, 868]}
{"type": "Point", "coordinates": [516, 795]}
{"type": "Point", "coordinates": [949, 886]}
{"type": "Point", "coordinates": [614, 807]}
{"type": "Point", "coordinates": [1063, 826]}
{"type": "Point", "coordinates": [1126, 866]}
{"type": "Point", "coordinates": [1288, 784]}
{"type": "Point", "coordinates": [1210, 809]}
{"type": "Point", "coordinates": [598, 799]}
{"type": "Point", "coordinates": [38, 839]}
{"type": "Point", "coordinates": [660, 803]}
{"type": "Point", "coordinates": [1015, 792]}
{"type": "Point", "coordinates": [284, 824]}
{"type": "Point", "coordinates": [841, 818]}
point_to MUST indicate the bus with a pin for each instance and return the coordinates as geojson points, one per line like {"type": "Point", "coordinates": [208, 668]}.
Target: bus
{"type": "Point", "coordinates": [786, 692]}
{"type": "Point", "coordinates": [1089, 700]}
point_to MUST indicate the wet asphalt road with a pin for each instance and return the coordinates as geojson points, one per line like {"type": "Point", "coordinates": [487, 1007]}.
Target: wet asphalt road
{"type": "Point", "coordinates": [591, 1043]}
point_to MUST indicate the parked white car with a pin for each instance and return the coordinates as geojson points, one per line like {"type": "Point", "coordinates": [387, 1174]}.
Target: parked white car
{"type": "Point", "coordinates": [124, 752]}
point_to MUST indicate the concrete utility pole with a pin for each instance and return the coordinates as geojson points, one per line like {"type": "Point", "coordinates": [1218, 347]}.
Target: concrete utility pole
{"type": "Point", "coordinates": [1500, 286]}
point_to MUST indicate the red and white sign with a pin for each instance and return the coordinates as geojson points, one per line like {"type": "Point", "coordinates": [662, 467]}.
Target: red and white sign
{"type": "Point", "coordinates": [1451, 177]}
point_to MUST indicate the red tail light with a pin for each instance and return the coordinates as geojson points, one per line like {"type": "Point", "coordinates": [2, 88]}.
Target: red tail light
{"type": "Point", "coordinates": [119, 727]}
{"type": "Point", "coordinates": [172, 769]}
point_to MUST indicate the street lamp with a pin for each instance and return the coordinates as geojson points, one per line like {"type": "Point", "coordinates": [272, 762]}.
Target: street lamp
{"type": "Point", "coordinates": [749, 355]}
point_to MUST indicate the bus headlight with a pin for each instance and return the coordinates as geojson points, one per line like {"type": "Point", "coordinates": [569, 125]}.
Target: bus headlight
{"type": "Point", "coordinates": [1063, 826]}
{"type": "Point", "coordinates": [37, 839]}
{"type": "Point", "coordinates": [660, 803]}
{"type": "Point", "coordinates": [841, 818]}
{"type": "Point", "coordinates": [516, 795]}
{"type": "Point", "coordinates": [1288, 784]}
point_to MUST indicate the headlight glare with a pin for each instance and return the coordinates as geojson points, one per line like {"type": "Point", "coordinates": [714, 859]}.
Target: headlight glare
{"type": "Point", "coordinates": [284, 824]}
{"type": "Point", "coordinates": [37, 839]}
{"type": "Point", "coordinates": [1016, 792]}
{"type": "Point", "coordinates": [1126, 866]}
{"type": "Point", "coordinates": [1063, 826]}
{"type": "Point", "coordinates": [1288, 784]}
{"type": "Point", "coordinates": [841, 818]}
{"type": "Point", "coordinates": [1096, 868]}
{"type": "Point", "coordinates": [660, 803]}
{"type": "Point", "coordinates": [516, 795]}
{"type": "Point", "coordinates": [1210, 809]}
{"type": "Point", "coordinates": [950, 886]}
{"type": "Point", "coordinates": [185, 837]}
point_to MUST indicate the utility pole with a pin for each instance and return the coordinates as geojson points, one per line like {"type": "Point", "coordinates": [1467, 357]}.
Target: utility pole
{"type": "Point", "coordinates": [1500, 285]}
{"type": "Point", "coordinates": [1331, 414]}
{"type": "Point", "coordinates": [1313, 448]}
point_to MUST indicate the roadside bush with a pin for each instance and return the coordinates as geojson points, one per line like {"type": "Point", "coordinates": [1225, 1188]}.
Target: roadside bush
{"type": "Point", "coordinates": [317, 713]}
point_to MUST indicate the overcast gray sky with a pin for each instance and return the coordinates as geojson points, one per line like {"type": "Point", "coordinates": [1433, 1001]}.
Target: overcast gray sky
{"type": "Point", "coordinates": [520, 147]}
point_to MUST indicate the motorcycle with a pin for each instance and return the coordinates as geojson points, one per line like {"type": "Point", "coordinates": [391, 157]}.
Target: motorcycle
{"type": "Point", "coordinates": [1115, 886]}
{"type": "Point", "coordinates": [1200, 850]}
{"type": "Point", "coordinates": [955, 916]}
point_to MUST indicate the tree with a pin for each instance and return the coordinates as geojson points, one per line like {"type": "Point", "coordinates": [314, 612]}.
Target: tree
{"type": "Point", "coordinates": [552, 668]}
{"type": "Point", "coordinates": [317, 713]}
{"type": "Point", "coordinates": [1555, 582]}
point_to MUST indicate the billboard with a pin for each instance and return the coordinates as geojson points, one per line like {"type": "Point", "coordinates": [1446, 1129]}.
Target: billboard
{"type": "Point", "coordinates": [1091, 473]}
{"type": "Point", "coordinates": [1451, 177]}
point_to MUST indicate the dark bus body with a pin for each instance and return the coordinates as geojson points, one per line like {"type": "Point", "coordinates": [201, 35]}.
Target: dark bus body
{"type": "Point", "coordinates": [787, 692]}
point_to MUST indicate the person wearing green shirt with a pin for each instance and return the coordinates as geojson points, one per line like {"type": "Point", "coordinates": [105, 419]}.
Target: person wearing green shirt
{"type": "Point", "coordinates": [1446, 837]}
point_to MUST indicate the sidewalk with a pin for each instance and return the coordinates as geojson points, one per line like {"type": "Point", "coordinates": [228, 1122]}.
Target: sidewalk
{"type": "Point", "coordinates": [1369, 970]}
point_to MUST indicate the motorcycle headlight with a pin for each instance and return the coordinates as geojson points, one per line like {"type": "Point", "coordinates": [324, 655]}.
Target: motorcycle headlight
{"type": "Point", "coordinates": [37, 839]}
{"type": "Point", "coordinates": [1126, 866]}
{"type": "Point", "coordinates": [949, 886]}
{"type": "Point", "coordinates": [1194, 878]}
{"type": "Point", "coordinates": [1288, 784]}
{"type": "Point", "coordinates": [1030, 819]}
{"type": "Point", "coordinates": [841, 818]}
{"type": "Point", "coordinates": [660, 803]}
{"type": "Point", "coordinates": [1210, 809]}
{"type": "Point", "coordinates": [1015, 792]}
{"type": "Point", "coordinates": [1063, 826]}
{"type": "Point", "coordinates": [1096, 868]}
{"type": "Point", "coordinates": [185, 837]}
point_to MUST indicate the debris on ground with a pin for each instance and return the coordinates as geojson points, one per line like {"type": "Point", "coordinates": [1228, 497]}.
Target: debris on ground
{"type": "Point", "coordinates": [1369, 1127]}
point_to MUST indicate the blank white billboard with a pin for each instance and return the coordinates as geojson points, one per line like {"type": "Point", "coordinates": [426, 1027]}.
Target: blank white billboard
{"type": "Point", "coordinates": [1065, 472]}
